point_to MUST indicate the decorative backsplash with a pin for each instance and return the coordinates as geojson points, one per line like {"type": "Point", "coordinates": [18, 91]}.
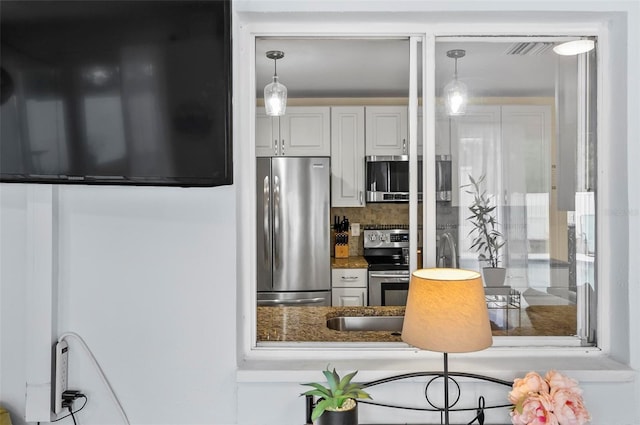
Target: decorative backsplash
{"type": "Point", "coordinates": [381, 213]}
{"type": "Point", "coordinates": [390, 213]}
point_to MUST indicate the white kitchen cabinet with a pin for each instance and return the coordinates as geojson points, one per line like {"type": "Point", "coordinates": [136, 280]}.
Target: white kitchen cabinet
{"type": "Point", "coordinates": [267, 134]}
{"type": "Point", "coordinates": [386, 130]}
{"type": "Point", "coordinates": [302, 131]}
{"type": "Point", "coordinates": [347, 156]}
{"type": "Point", "coordinates": [349, 297]}
{"type": "Point", "coordinates": [348, 287]}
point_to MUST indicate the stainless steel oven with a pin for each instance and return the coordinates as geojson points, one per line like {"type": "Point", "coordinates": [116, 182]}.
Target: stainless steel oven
{"type": "Point", "coordinates": [386, 249]}
{"type": "Point", "coordinates": [388, 287]}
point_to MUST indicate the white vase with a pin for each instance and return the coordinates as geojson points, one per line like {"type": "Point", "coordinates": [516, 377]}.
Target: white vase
{"type": "Point", "coordinates": [494, 276]}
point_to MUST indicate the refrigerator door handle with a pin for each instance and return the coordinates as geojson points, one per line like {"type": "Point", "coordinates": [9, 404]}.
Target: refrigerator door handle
{"type": "Point", "coordinates": [265, 218]}
{"type": "Point", "coordinates": [276, 222]}
{"type": "Point", "coordinates": [292, 302]}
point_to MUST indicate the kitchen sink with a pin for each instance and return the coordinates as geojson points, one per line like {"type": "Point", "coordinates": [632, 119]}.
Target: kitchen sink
{"type": "Point", "coordinates": [366, 323]}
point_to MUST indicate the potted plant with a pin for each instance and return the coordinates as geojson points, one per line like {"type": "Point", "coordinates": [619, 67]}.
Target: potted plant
{"type": "Point", "coordinates": [336, 403]}
{"type": "Point", "coordinates": [487, 239]}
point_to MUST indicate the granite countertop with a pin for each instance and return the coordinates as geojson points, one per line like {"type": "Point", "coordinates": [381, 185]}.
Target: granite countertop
{"type": "Point", "coordinates": [355, 262]}
{"type": "Point", "coordinates": [310, 324]}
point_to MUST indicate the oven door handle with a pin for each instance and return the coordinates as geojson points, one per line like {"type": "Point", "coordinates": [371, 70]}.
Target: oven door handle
{"type": "Point", "coordinates": [402, 277]}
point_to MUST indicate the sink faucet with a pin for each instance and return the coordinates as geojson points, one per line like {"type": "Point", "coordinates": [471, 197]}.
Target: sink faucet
{"type": "Point", "coordinates": [446, 240]}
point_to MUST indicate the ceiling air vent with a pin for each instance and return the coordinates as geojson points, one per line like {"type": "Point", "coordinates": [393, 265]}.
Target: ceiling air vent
{"type": "Point", "coordinates": [528, 48]}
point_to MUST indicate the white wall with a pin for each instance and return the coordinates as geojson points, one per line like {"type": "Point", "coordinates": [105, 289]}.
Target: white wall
{"type": "Point", "coordinates": [148, 278]}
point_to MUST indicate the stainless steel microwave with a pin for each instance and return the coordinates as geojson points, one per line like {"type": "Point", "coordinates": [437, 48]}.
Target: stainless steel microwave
{"type": "Point", "coordinates": [387, 178]}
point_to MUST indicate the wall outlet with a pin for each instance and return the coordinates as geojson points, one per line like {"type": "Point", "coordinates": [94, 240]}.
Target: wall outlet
{"type": "Point", "coordinates": [61, 367]}
{"type": "Point", "coordinates": [355, 229]}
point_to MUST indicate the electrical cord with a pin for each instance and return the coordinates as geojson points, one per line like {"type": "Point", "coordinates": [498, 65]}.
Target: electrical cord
{"type": "Point", "coordinates": [100, 373]}
{"type": "Point", "coordinates": [72, 416]}
{"type": "Point", "coordinates": [73, 412]}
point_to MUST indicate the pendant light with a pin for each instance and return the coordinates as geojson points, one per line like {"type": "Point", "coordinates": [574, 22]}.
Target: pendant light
{"type": "Point", "coordinates": [275, 94]}
{"type": "Point", "coordinates": [455, 92]}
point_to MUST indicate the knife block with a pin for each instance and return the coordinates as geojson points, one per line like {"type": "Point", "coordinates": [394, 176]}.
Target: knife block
{"type": "Point", "coordinates": [342, 249]}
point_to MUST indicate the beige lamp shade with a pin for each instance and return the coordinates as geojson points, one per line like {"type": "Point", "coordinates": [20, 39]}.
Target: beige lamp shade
{"type": "Point", "coordinates": [446, 311]}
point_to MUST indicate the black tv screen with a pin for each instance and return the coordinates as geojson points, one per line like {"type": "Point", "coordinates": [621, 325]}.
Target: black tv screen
{"type": "Point", "coordinates": [116, 92]}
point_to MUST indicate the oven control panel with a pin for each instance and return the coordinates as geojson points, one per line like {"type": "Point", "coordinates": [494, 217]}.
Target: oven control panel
{"type": "Point", "coordinates": [386, 238]}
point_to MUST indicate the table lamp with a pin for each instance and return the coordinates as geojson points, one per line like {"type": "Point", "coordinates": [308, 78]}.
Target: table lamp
{"type": "Point", "coordinates": [446, 312]}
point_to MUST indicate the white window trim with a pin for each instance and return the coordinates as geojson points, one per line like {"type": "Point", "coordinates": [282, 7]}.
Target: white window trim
{"type": "Point", "coordinates": [253, 360]}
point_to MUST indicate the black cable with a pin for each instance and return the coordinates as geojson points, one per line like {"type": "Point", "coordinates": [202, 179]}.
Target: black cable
{"type": "Point", "coordinates": [74, 411]}
{"type": "Point", "coordinates": [72, 417]}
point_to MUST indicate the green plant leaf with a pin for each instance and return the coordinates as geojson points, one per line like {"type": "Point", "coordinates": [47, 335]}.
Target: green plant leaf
{"type": "Point", "coordinates": [332, 378]}
{"type": "Point", "coordinates": [321, 406]}
{"type": "Point", "coordinates": [344, 382]}
{"type": "Point", "coordinates": [336, 393]}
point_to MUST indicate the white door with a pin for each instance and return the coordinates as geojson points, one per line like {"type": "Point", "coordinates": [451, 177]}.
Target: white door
{"type": "Point", "coordinates": [526, 189]}
{"type": "Point", "coordinates": [475, 145]}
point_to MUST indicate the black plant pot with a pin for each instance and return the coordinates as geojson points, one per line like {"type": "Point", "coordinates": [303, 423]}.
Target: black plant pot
{"type": "Point", "coordinates": [345, 417]}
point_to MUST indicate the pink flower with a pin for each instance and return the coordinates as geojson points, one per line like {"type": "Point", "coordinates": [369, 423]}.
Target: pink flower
{"type": "Point", "coordinates": [536, 409]}
{"type": "Point", "coordinates": [557, 380]}
{"type": "Point", "coordinates": [568, 407]}
{"type": "Point", "coordinates": [531, 383]}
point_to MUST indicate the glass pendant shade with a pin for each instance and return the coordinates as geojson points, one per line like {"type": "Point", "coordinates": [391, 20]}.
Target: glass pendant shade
{"type": "Point", "coordinates": [275, 98]}
{"type": "Point", "coordinates": [455, 94]}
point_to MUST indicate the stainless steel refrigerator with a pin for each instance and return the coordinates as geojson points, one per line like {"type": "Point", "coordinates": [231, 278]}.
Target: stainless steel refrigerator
{"type": "Point", "coordinates": [293, 231]}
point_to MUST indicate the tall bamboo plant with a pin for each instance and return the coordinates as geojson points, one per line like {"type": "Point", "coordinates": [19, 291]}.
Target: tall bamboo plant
{"type": "Point", "coordinates": [487, 239]}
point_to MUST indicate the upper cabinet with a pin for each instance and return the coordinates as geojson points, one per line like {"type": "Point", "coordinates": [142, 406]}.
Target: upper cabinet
{"type": "Point", "coordinates": [302, 131]}
{"type": "Point", "coordinates": [386, 130]}
{"type": "Point", "coordinates": [347, 156]}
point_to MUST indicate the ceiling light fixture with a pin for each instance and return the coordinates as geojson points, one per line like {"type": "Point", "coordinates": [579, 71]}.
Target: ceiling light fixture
{"type": "Point", "coordinates": [275, 94]}
{"type": "Point", "coordinates": [456, 91]}
{"type": "Point", "coordinates": [575, 47]}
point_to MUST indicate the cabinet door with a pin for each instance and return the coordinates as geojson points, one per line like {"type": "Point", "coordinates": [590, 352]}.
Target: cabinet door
{"type": "Point", "coordinates": [349, 297]}
{"type": "Point", "coordinates": [267, 138]}
{"type": "Point", "coordinates": [387, 129]}
{"type": "Point", "coordinates": [347, 156]}
{"type": "Point", "coordinates": [305, 131]}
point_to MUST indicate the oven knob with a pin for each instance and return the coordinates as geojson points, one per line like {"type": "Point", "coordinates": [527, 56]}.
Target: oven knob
{"type": "Point", "coordinates": [372, 237]}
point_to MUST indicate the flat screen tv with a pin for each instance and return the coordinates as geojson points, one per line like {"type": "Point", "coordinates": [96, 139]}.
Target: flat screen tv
{"type": "Point", "coordinates": [130, 92]}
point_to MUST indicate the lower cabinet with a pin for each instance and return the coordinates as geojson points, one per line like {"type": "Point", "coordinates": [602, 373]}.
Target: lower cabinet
{"type": "Point", "coordinates": [348, 297]}
{"type": "Point", "coordinates": [348, 287]}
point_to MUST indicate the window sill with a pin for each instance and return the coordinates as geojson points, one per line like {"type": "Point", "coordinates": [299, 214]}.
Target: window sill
{"type": "Point", "coordinates": [584, 364]}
